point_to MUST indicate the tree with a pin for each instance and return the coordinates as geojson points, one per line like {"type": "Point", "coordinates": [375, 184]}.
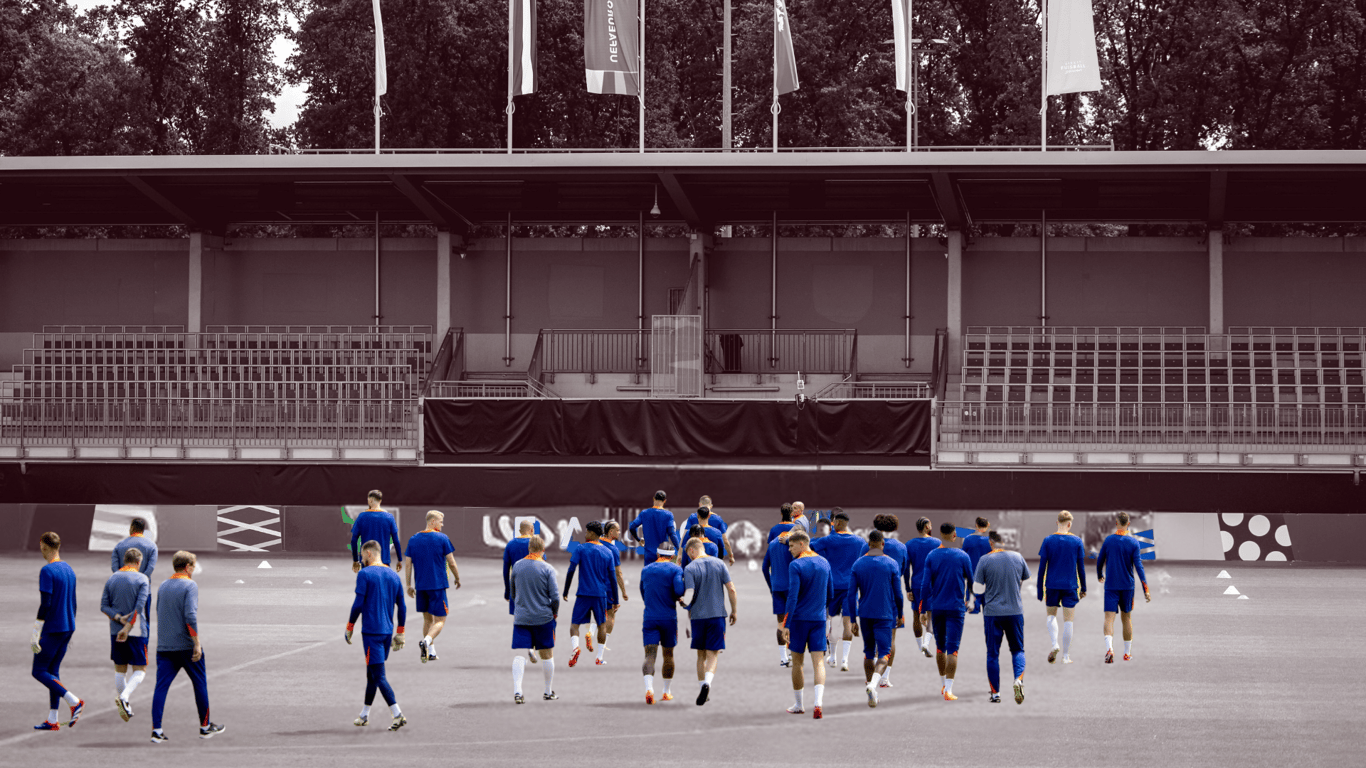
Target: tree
{"type": "Point", "coordinates": [240, 78]}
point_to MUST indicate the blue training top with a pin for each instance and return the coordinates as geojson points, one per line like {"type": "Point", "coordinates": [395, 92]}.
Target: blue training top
{"type": "Point", "coordinates": [976, 545]}
{"type": "Point", "coordinates": [57, 597]}
{"type": "Point", "coordinates": [516, 549]}
{"type": "Point", "coordinates": [875, 589]}
{"type": "Point", "coordinates": [1062, 563]}
{"type": "Point", "coordinates": [378, 592]}
{"type": "Point", "coordinates": [714, 521]}
{"type": "Point", "coordinates": [658, 527]}
{"type": "Point", "coordinates": [661, 585]}
{"type": "Point", "coordinates": [144, 545]}
{"type": "Point", "coordinates": [707, 547]}
{"type": "Point", "coordinates": [778, 529]}
{"type": "Point", "coordinates": [428, 550]}
{"type": "Point", "coordinates": [1120, 552]}
{"type": "Point", "coordinates": [597, 571]}
{"type": "Point", "coordinates": [810, 588]}
{"type": "Point", "coordinates": [776, 560]}
{"type": "Point", "coordinates": [375, 525]}
{"type": "Point", "coordinates": [945, 584]}
{"type": "Point", "coordinates": [841, 548]}
{"type": "Point", "coordinates": [917, 550]}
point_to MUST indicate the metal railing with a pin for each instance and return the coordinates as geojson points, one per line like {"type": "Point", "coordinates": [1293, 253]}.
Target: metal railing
{"type": "Point", "coordinates": [276, 149]}
{"type": "Point", "coordinates": [449, 363]}
{"type": "Point", "coordinates": [781, 351]}
{"type": "Point", "coordinates": [939, 374]}
{"type": "Point", "coordinates": [875, 390]}
{"type": "Point", "coordinates": [595, 351]}
{"type": "Point", "coordinates": [486, 388]}
{"type": "Point", "coordinates": [1129, 425]}
{"type": "Point", "coordinates": [208, 421]}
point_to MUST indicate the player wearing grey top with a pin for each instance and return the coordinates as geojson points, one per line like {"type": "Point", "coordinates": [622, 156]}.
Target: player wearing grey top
{"type": "Point", "coordinates": [125, 599]}
{"type": "Point", "coordinates": [997, 581]}
{"type": "Point", "coordinates": [704, 580]}
{"type": "Point", "coordinates": [536, 604]}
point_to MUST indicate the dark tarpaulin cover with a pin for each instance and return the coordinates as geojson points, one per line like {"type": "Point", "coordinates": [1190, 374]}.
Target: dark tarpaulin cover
{"type": "Point", "coordinates": [672, 429]}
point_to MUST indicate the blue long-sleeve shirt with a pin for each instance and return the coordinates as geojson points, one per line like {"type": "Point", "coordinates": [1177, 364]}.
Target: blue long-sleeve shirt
{"type": "Point", "coordinates": [515, 550]}
{"type": "Point", "coordinates": [714, 521]}
{"type": "Point", "coordinates": [177, 613]}
{"type": "Point", "coordinates": [127, 592]}
{"type": "Point", "coordinates": [1062, 563]}
{"type": "Point", "coordinates": [1120, 552]}
{"type": "Point", "coordinates": [945, 585]}
{"type": "Point", "coordinates": [776, 560]}
{"type": "Point", "coordinates": [597, 571]}
{"type": "Point", "coordinates": [661, 586]}
{"type": "Point", "coordinates": [144, 545]}
{"type": "Point", "coordinates": [779, 529]}
{"type": "Point", "coordinates": [841, 548]}
{"type": "Point", "coordinates": [375, 525]}
{"type": "Point", "coordinates": [875, 589]}
{"type": "Point", "coordinates": [810, 588]}
{"type": "Point", "coordinates": [379, 591]}
{"type": "Point", "coordinates": [976, 545]}
{"type": "Point", "coordinates": [652, 527]}
{"type": "Point", "coordinates": [57, 597]}
{"type": "Point", "coordinates": [917, 550]}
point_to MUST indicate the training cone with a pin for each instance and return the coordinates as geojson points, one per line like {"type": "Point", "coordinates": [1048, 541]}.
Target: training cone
{"type": "Point", "coordinates": [263, 564]}
{"type": "Point", "coordinates": [1223, 575]}
{"type": "Point", "coordinates": [198, 568]}
{"type": "Point", "coordinates": [753, 566]}
{"type": "Point", "coordinates": [306, 581]}
{"type": "Point", "coordinates": [1242, 597]}
{"type": "Point", "coordinates": [239, 581]}
{"type": "Point", "coordinates": [1232, 590]}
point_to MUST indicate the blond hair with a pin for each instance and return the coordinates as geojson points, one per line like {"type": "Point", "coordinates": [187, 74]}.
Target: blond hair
{"type": "Point", "coordinates": [1064, 517]}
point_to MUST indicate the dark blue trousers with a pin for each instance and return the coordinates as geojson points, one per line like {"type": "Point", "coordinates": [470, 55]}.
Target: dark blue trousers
{"type": "Point", "coordinates": [169, 664]}
{"type": "Point", "coordinates": [47, 665]}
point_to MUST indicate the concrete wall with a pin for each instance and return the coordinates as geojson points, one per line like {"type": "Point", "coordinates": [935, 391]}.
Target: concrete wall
{"type": "Point", "coordinates": [1297, 281]}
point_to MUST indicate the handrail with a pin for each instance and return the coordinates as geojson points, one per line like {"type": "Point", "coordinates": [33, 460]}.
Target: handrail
{"type": "Point", "coordinates": [874, 390]}
{"type": "Point", "coordinates": [939, 375]}
{"type": "Point", "coordinates": [487, 388]}
{"type": "Point", "coordinates": [535, 370]}
{"type": "Point", "coordinates": [449, 363]}
{"type": "Point", "coordinates": [785, 350]}
{"type": "Point", "coordinates": [710, 150]}
{"type": "Point", "coordinates": [596, 350]}
{"type": "Point", "coordinates": [853, 358]}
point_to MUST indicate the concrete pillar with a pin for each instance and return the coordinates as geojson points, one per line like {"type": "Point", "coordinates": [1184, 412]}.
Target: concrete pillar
{"type": "Point", "coordinates": [194, 323]}
{"type": "Point", "coordinates": [1216, 281]}
{"type": "Point", "coordinates": [443, 284]}
{"type": "Point", "coordinates": [955, 301]}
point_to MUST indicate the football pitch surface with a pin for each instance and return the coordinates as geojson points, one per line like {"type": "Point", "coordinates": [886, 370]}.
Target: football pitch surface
{"type": "Point", "coordinates": [1267, 681]}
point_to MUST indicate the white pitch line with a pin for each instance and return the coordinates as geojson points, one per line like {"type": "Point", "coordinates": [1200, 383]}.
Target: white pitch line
{"type": "Point", "coordinates": [177, 684]}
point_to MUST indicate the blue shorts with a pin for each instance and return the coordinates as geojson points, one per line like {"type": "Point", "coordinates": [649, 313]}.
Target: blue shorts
{"type": "Point", "coordinates": [538, 637]}
{"type": "Point", "coordinates": [376, 648]}
{"type": "Point", "coordinates": [877, 637]}
{"type": "Point", "coordinates": [915, 602]}
{"type": "Point", "coordinates": [1119, 601]}
{"type": "Point", "coordinates": [585, 606]}
{"type": "Point", "coordinates": [804, 636]}
{"type": "Point", "coordinates": [780, 603]}
{"type": "Point", "coordinates": [1009, 627]}
{"type": "Point", "coordinates": [432, 601]}
{"type": "Point", "coordinates": [836, 607]}
{"type": "Point", "coordinates": [131, 651]}
{"type": "Point", "coordinates": [661, 632]}
{"type": "Point", "coordinates": [948, 630]}
{"type": "Point", "coordinates": [709, 634]}
{"type": "Point", "coordinates": [1067, 598]}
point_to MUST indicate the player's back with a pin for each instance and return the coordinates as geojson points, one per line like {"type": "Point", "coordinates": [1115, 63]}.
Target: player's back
{"type": "Point", "coordinates": [947, 571]}
{"type": "Point", "coordinates": [917, 550]}
{"type": "Point", "coordinates": [375, 525]}
{"type": "Point", "coordinates": [1062, 557]}
{"type": "Point", "coordinates": [121, 594]}
{"type": "Point", "coordinates": [715, 536]}
{"type": "Point", "coordinates": [841, 549]}
{"type": "Point", "coordinates": [809, 588]}
{"type": "Point", "coordinates": [537, 596]}
{"type": "Point", "coordinates": [1117, 561]}
{"type": "Point", "coordinates": [661, 584]}
{"type": "Point", "coordinates": [897, 551]}
{"type": "Point", "coordinates": [877, 582]}
{"type": "Point", "coordinates": [776, 560]}
{"type": "Point", "coordinates": [595, 569]}
{"type": "Point", "coordinates": [1002, 572]}
{"type": "Point", "coordinates": [428, 550]}
{"type": "Point", "coordinates": [707, 547]}
{"type": "Point", "coordinates": [383, 589]}
{"type": "Point", "coordinates": [976, 545]}
{"type": "Point", "coordinates": [177, 603]}
{"type": "Point", "coordinates": [655, 524]}
{"type": "Point", "coordinates": [59, 580]}
{"type": "Point", "coordinates": [141, 544]}
{"type": "Point", "coordinates": [780, 529]}
{"type": "Point", "coordinates": [714, 521]}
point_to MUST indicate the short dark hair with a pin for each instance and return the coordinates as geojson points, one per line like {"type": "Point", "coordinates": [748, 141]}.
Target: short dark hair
{"type": "Point", "coordinates": [375, 494]}
{"type": "Point", "coordinates": [786, 511]}
{"type": "Point", "coordinates": [695, 531]}
{"type": "Point", "coordinates": [995, 537]}
{"type": "Point", "coordinates": [886, 523]}
{"type": "Point", "coordinates": [50, 540]}
{"type": "Point", "coordinates": [371, 545]}
{"type": "Point", "coordinates": [594, 527]}
{"type": "Point", "coordinates": [703, 514]}
{"type": "Point", "coordinates": [183, 558]}
{"type": "Point", "coordinates": [137, 525]}
{"type": "Point", "coordinates": [946, 528]}
{"type": "Point", "coordinates": [982, 522]}
{"type": "Point", "coordinates": [133, 555]}
{"type": "Point", "coordinates": [837, 513]}
{"type": "Point", "coordinates": [922, 524]}
{"type": "Point", "coordinates": [661, 496]}
{"type": "Point", "coordinates": [1123, 518]}
{"type": "Point", "coordinates": [875, 539]}
{"type": "Point", "coordinates": [609, 525]}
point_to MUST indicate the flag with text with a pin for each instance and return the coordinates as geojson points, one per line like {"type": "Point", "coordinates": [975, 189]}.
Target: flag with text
{"type": "Point", "coordinates": [784, 60]}
{"type": "Point", "coordinates": [1072, 64]}
{"type": "Point", "coordinates": [523, 25]}
{"type": "Point", "coordinates": [611, 46]}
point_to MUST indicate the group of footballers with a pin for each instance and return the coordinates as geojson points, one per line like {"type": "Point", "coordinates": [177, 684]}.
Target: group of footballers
{"type": "Point", "coordinates": [811, 579]}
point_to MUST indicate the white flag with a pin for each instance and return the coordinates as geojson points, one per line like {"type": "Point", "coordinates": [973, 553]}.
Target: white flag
{"type": "Point", "coordinates": [901, 17]}
{"type": "Point", "coordinates": [381, 67]}
{"type": "Point", "coordinates": [1072, 64]}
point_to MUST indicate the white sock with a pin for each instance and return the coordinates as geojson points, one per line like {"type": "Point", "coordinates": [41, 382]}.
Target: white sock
{"type": "Point", "coordinates": [844, 650]}
{"type": "Point", "coordinates": [668, 681]}
{"type": "Point", "coordinates": [427, 639]}
{"type": "Point", "coordinates": [431, 647]}
{"type": "Point", "coordinates": [71, 698]}
{"type": "Point", "coordinates": [133, 681]}
{"type": "Point", "coordinates": [887, 674]}
{"type": "Point", "coordinates": [1066, 637]}
{"type": "Point", "coordinates": [649, 682]}
{"type": "Point", "coordinates": [602, 648]}
{"type": "Point", "coordinates": [1109, 642]}
{"type": "Point", "coordinates": [1128, 647]}
{"type": "Point", "coordinates": [820, 694]}
{"type": "Point", "coordinates": [394, 710]}
{"type": "Point", "coordinates": [548, 668]}
{"type": "Point", "coordinates": [1053, 630]}
{"type": "Point", "coordinates": [920, 642]}
{"type": "Point", "coordinates": [518, 669]}
{"type": "Point", "coordinates": [573, 642]}
{"type": "Point", "coordinates": [365, 711]}
{"type": "Point", "coordinates": [948, 685]}
{"type": "Point", "coordinates": [943, 682]}
{"type": "Point", "coordinates": [708, 677]}
{"type": "Point", "coordinates": [782, 653]}
{"type": "Point", "coordinates": [118, 683]}
{"type": "Point", "coordinates": [52, 715]}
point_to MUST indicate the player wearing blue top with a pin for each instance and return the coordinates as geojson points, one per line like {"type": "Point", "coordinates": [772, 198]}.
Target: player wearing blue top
{"type": "Point", "coordinates": [894, 549]}
{"type": "Point", "coordinates": [125, 599]}
{"type": "Point", "coordinates": [597, 587]}
{"type": "Point", "coordinates": [375, 524]}
{"type": "Point", "coordinates": [944, 593]}
{"type": "Point", "coordinates": [996, 580]}
{"type": "Point", "coordinates": [430, 555]}
{"type": "Point", "coordinates": [611, 531]}
{"type": "Point", "coordinates": [976, 545]}
{"type": "Point", "coordinates": [705, 580]}
{"type": "Point", "coordinates": [515, 550]}
{"type": "Point", "coordinates": [916, 551]}
{"type": "Point", "coordinates": [708, 546]}
{"type": "Point", "coordinates": [1120, 552]}
{"type": "Point", "coordinates": [137, 539]}
{"type": "Point", "coordinates": [715, 520]}
{"type": "Point", "coordinates": [875, 607]}
{"type": "Point", "coordinates": [810, 590]}
{"type": "Point", "coordinates": [776, 560]}
{"type": "Point", "coordinates": [661, 587]}
{"type": "Point", "coordinates": [52, 630]}
{"type": "Point", "coordinates": [785, 526]}
{"type": "Point", "coordinates": [654, 526]}
{"type": "Point", "coordinates": [1062, 575]}
{"type": "Point", "coordinates": [179, 646]}
{"type": "Point", "coordinates": [378, 592]}
{"type": "Point", "coordinates": [841, 548]}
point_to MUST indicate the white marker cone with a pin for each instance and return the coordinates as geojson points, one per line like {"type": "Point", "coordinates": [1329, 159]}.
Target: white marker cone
{"type": "Point", "coordinates": [239, 581]}
{"type": "Point", "coordinates": [1232, 590]}
{"type": "Point", "coordinates": [1242, 597]}
{"type": "Point", "coordinates": [1223, 575]}
{"type": "Point", "coordinates": [324, 567]}
{"type": "Point", "coordinates": [263, 564]}
{"type": "Point", "coordinates": [306, 581]}
{"type": "Point", "coordinates": [198, 568]}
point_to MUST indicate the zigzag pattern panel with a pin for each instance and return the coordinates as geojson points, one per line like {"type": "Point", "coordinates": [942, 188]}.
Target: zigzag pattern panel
{"type": "Point", "coordinates": [249, 528]}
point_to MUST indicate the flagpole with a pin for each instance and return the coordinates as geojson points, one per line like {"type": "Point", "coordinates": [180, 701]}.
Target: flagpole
{"type": "Point", "coordinates": [511, 107]}
{"type": "Point", "coordinates": [910, 80]}
{"type": "Point", "coordinates": [774, 109]}
{"type": "Point", "coordinates": [725, 79]}
{"type": "Point", "coordinates": [1043, 76]}
{"type": "Point", "coordinates": [642, 76]}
